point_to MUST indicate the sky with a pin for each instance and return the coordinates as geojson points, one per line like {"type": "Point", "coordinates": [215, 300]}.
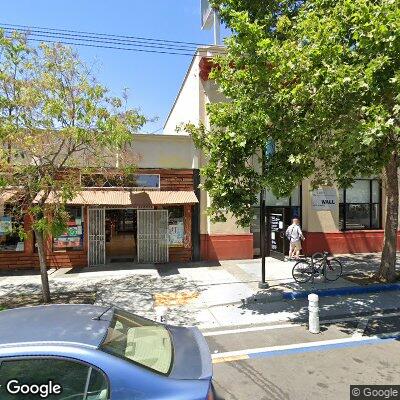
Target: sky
{"type": "Point", "coordinates": [152, 80]}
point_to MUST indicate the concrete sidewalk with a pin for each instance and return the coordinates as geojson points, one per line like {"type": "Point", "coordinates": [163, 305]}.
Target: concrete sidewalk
{"type": "Point", "coordinates": [209, 295]}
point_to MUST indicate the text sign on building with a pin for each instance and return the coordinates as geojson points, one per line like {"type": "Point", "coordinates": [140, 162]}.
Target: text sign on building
{"type": "Point", "coordinates": [206, 14]}
{"type": "Point", "coordinates": [176, 232]}
{"type": "Point", "coordinates": [324, 199]}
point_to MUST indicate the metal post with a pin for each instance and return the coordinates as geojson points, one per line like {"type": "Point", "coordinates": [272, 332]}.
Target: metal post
{"type": "Point", "coordinates": [262, 284]}
{"type": "Point", "coordinates": [217, 28]}
{"type": "Point", "coordinates": [313, 313]}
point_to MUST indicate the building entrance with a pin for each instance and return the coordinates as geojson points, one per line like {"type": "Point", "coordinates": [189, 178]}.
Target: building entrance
{"type": "Point", "coordinates": [121, 235]}
{"type": "Point", "coordinates": [128, 235]}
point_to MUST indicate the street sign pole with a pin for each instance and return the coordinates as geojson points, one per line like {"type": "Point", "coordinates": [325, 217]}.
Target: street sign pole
{"type": "Point", "coordinates": [262, 284]}
{"type": "Point", "coordinates": [210, 18]}
{"type": "Point", "coordinates": [217, 28]}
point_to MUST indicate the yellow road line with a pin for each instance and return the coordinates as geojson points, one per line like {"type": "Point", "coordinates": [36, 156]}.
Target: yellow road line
{"type": "Point", "coordinates": [218, 360]}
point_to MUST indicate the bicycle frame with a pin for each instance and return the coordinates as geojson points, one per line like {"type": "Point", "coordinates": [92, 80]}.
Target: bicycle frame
{"type": "Point", "coordinates": [321, 269]}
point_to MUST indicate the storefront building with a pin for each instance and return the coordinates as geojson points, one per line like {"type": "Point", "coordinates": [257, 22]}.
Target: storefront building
{"type": "Point", "coordinates": [151, 216]}
{"type": "Point", "coordinates": [160, 216]}
{"type": "Point", "coordinates": [339, 221]}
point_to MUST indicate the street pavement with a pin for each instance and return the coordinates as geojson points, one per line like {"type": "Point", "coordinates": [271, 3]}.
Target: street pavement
{"type": "Point", "coordinates": [287, 362]}
{"type": "Point", "coordinates": [260, 346]}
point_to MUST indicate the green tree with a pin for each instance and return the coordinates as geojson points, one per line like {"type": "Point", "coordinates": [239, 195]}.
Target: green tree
{"type": "Point", "coordinates": [319, 78]}
{"type": "Point", "coordinates": [56, 121]}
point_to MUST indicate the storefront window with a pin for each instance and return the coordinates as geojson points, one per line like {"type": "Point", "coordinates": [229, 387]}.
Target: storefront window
{"type": "Point", "coordinates": [175, 226]}
{"type": "Point", "coordinates": [272, 201]}
{"type": "Point", "coordinates": [9, 225]}
{"type": "Point", "coordinates": [360, 205]}
{"type": "Point", "coordinates": [72, 238]}
{"type": "Point", "coordinates": [150, 181]}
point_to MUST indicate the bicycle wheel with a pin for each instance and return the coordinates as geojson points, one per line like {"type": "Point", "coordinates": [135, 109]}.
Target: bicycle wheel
{"type": "Point", "coordinates": [302, 271]}
{"type": "Point", "coordinates": [333, 269]}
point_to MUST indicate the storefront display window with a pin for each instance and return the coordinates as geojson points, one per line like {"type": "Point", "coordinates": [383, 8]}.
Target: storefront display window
{"type": "Point", "coordinates": [360, 205]}
{"type": "Point", "coordinates": [9, 225]}
{"type": "Point", "coordinates": [142, 181]}
{"type": "Point", "coordinates": [72, 238]}
{"type": "Point", "coordinates": [175, 226]}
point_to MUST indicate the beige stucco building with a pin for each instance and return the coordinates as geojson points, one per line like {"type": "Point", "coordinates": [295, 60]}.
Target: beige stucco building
{"type": "Point", "coordinates": [341, 221]}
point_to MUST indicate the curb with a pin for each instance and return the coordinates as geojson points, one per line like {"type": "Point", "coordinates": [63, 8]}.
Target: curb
{"type": "Point", "coordinates": [302, 294]}
{"type": "Point", "coordinates": [377, 288]}
{"type": "Point", "coordinates": [264, 298]}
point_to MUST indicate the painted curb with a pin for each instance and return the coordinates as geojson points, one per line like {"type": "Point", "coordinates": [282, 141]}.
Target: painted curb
{"type": "Point", "coordinates": [342, 291]}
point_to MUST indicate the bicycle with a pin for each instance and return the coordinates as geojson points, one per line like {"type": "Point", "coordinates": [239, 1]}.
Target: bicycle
{"type": "Point", "coordinates": [304, 270]}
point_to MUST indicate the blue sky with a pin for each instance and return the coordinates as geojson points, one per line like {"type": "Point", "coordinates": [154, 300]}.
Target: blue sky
{"type": "Point", "coordinates": [153, 80]}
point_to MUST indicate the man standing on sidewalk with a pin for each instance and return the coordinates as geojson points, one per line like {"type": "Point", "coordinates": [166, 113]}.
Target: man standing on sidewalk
{"type": "Point", "coordinates": [295, 236]}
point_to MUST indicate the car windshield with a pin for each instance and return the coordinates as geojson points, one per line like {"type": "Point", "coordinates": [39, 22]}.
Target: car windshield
{"type": "Point", "coordinates": [139, 340]}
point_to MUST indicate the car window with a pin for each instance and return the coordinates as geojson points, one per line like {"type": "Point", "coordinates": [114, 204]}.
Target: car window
{"type": "Point", "coordinates": [139, 340]}
{"type": "Point", "coordinates": [98, 386]}
{"type": "Point", "coordinates": [53, 379]}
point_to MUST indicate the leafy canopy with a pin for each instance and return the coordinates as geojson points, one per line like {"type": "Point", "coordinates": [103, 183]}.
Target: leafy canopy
{"type": "Point", "coordinates": [320, 79]}
{"type": "Point", "coordinates": [55, 120]}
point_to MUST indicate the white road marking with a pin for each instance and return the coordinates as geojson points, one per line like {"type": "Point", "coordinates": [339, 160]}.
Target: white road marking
{"type": "Point", "coordinates": [250, 329]}
{"type": "Point", "coordinates": [246, 352]}
{"type": "Point", "coordinates": [281, 326]}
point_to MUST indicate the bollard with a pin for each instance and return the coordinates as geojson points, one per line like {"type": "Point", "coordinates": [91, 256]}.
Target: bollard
{"type": "Point", "coordinates": [161, 312]}
{"type": "Point", "coordinates": [313, 313]}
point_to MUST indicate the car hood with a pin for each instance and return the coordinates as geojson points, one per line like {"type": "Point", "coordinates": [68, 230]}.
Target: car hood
{"type": "Point", "coordinates": [192, 358]}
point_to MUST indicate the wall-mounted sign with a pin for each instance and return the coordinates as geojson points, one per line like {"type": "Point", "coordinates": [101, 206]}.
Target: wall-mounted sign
{"type": "Point", "coordinates": [176, 232]}
{"type": "Point", "coordinates": [206, 14]}
{"type": "Point", "coordinates": [324, 199]}
{"type": "Point", "coordinates": [275, 223]}
{"type": "Point", "coordinates": [5, 225]}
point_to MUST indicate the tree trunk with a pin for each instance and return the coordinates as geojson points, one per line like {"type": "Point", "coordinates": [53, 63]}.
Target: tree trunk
{"type": "Point", "coordinates": [43, 266]}
{"type": "Point", "coordinates": [387, 269]}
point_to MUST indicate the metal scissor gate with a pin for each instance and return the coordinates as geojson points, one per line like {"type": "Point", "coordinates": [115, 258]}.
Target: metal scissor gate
{"type": "Point", "coordinates": [152, 236]}
{"type": "Point", "coordinates": [97, 236]}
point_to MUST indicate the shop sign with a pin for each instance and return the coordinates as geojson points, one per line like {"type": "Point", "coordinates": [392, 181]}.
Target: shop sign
{"type": "Point", "coordinates": [5, 225]}
{"type": "Point", "coordinates": [324, 199]}
{"type": "Point", "coordinates": [176, 232]}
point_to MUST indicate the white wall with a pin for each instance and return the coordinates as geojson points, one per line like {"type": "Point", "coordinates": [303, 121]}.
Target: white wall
{"type": "Point", "coordinates": [165, 151]}
{"type": "Point", "coordinates": [186, 106]}
{"type": "Point", "coordinates": [190, 106]}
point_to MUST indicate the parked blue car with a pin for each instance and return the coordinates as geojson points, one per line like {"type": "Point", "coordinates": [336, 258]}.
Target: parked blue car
{"type": "Point", "coordinates": [85, 352]}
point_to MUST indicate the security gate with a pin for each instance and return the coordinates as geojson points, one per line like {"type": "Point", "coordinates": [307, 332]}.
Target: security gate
{"type": "Point", "coordinates": [152, 236]}
{"type": "Point", "coordinates": [97, 236]}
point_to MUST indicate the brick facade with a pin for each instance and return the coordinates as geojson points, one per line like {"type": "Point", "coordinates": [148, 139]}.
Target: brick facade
{"type": "Point", "coordinates": [170, 179]}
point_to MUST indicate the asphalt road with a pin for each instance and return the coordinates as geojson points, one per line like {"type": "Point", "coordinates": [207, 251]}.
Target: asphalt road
{"type": "Point", "coordinates": [287, 362]}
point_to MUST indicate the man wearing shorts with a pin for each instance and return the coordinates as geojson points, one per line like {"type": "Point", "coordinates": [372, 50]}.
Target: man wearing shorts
{"type": "Point", "coordinates": [295, 236]}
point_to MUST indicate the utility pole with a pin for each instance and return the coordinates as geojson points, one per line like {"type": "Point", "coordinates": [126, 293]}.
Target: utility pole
{"type": "Point", "coordinates": [262, 284]}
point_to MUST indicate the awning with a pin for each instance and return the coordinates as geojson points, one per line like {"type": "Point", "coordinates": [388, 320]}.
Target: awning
{"type": "Point", "coordinates": [126, 198]}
